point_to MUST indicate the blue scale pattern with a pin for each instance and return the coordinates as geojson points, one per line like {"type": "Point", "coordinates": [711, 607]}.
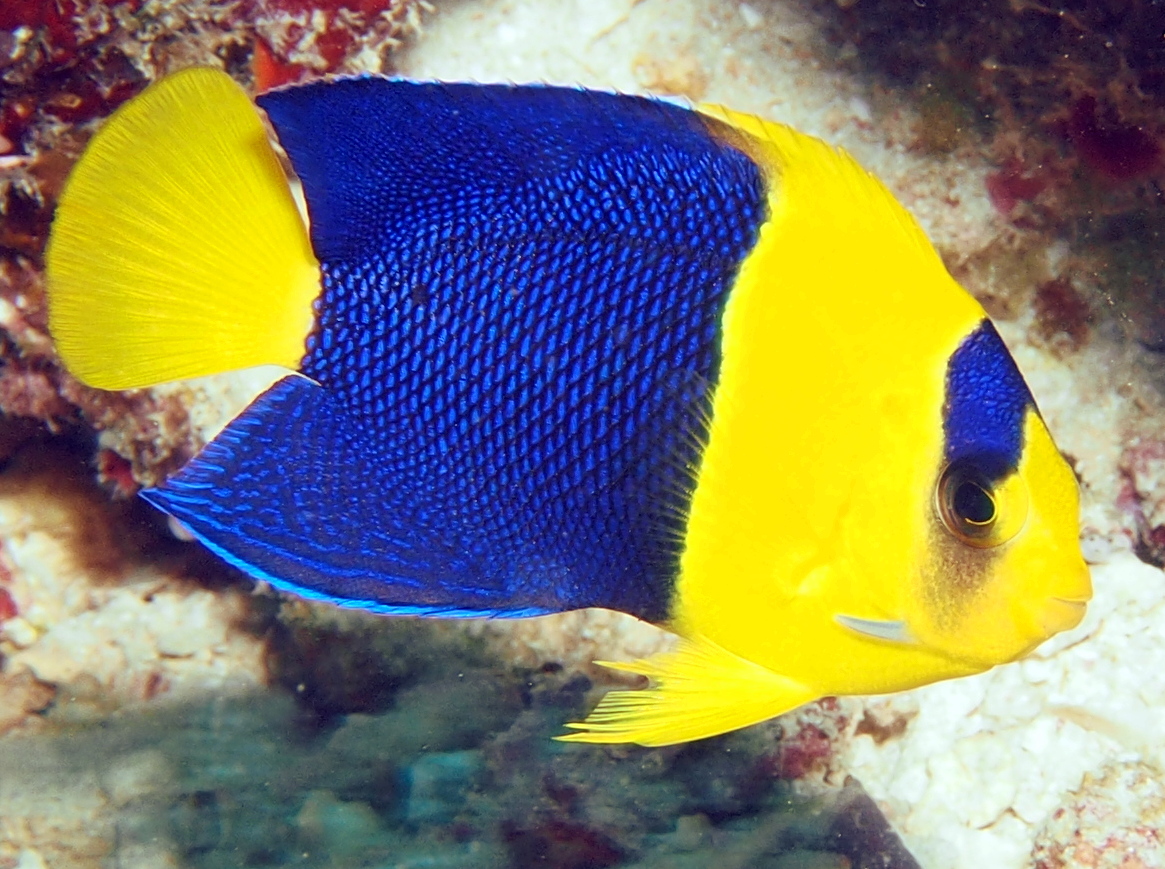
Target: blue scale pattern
{"type": "Point", "coordinates": [986, 402]}
{"type": "Point", "coordinates": [516, 345]}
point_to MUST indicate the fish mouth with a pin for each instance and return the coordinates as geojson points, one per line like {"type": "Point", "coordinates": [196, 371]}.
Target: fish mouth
{"type": "Point", "coordinates": [1062, 614]}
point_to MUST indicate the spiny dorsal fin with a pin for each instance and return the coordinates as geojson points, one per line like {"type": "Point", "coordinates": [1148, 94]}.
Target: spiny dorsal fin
{"type": "Point", "coordinates": [698, 690]}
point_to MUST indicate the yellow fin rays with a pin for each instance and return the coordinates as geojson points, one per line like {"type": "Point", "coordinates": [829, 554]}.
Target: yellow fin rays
{"type": "Point", "coordinates": [698, 690]}
{"type": "Point", "coordinates": [177, 248]}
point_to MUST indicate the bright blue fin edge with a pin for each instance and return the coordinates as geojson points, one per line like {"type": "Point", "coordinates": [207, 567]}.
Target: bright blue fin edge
{"type": "Point", "coordinates": [238, 498]}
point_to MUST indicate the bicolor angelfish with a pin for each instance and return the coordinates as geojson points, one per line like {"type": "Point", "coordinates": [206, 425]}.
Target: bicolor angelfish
{"type": "Point", "coordinates": [552, 348]}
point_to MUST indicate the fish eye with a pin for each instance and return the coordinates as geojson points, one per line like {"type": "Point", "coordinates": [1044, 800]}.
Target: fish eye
{"type": "Point", "coordinates": [973, 504]}
{"type": "Point", "coordinates": [969, 506]}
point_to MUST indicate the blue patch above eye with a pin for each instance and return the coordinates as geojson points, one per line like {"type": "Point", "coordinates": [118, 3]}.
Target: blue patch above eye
{"type": "Point", "coordinates": [986, 400]}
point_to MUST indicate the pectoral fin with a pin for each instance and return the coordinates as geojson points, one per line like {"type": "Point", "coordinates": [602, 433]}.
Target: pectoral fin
{"type": "Point", "coordinates": [698, 690]}
{"type": "Point", "coordinates": [894, 631]}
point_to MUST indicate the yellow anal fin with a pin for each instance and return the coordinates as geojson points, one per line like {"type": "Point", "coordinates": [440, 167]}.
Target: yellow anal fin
{"type": "Point", "coordinates": [177, 249]}
{"type": "Point", "coordinates": [698, 690]}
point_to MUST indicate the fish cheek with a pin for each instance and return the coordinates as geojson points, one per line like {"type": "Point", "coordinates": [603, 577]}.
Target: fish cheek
{"type": "Point", "coordinates": [965, 612]}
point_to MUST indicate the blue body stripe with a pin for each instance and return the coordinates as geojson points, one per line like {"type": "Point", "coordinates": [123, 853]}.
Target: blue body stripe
{"type": "Point", "coordinates": [986, 402]}
{"type": "Point", "coordinates": [516, 345]}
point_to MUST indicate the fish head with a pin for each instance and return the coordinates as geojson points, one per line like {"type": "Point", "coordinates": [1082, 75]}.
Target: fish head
{"type": "Point", "coordinates": [1002, 569]}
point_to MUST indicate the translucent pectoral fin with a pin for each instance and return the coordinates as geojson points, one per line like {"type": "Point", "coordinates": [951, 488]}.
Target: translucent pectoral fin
{"type": "Point", "coordinates": [698, 690]}
{"type": "Point", "coordinates": [894, 631]}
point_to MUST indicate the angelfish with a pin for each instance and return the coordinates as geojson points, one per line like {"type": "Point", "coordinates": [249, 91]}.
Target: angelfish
{"type": "Point", "coordinates": [552, 348]}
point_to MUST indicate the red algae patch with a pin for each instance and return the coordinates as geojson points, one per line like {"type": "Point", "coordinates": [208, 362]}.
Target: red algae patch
{"type": "Point", "coordinates": [1113, 821]}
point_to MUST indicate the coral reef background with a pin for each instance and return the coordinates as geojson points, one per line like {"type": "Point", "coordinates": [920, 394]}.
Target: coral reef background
{"type": "Point", "coordinates": [158, 709]}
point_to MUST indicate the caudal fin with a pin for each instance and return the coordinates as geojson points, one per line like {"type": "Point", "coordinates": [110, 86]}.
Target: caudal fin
{"type": "Point", "coordinates": [177, 249]}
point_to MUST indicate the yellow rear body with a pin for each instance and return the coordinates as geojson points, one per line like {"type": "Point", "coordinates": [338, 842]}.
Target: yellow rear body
{"type": "Point", "coordinates": [815, 507]}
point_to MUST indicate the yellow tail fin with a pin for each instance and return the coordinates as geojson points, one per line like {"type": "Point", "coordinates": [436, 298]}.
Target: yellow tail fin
{"type": "Point", "coordinates": [177, 249]}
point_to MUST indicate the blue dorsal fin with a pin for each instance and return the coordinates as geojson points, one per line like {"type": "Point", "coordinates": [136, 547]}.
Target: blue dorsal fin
{"type": "Point", "coordinates": [371, 150]}
{"type": "Point", "coordinates": [284, 494]}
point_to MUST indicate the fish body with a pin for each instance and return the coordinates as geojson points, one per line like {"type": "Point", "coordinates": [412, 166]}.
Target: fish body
{"type": "Point", "coordinates": [557, 348]}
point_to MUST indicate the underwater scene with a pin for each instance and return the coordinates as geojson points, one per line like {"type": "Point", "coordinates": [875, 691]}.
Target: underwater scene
{"type": "Point", "coordinates": [582, 433]}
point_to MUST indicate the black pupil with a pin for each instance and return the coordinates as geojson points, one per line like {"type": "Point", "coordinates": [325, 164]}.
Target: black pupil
{"type": "Point", "coordinates": [972, 504]}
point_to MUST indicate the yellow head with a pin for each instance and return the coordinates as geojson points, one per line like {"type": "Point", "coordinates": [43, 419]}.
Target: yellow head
{"type": "Point", "coordinates": [1001, 571]}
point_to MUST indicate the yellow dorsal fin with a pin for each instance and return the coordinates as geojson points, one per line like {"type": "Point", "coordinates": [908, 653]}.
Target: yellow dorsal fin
{"type": "Point", "coordinates": [177, 249]}
{"type": "Point", "coordinates": [698, 690]}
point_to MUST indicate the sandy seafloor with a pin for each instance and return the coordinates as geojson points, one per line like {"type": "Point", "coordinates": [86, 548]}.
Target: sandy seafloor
{"type": "Point", "coordinates": [145, 731]}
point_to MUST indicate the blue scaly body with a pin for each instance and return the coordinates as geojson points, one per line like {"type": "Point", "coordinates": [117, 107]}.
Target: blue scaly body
{"type": "Point", "coordinates": [516, 340]}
